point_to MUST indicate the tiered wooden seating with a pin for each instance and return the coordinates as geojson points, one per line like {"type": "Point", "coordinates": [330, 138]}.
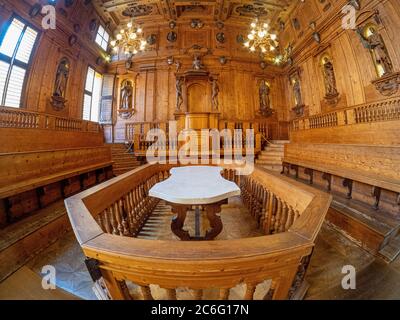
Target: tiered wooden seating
{"type": "Point", "coordinates": [354, 154]}
{"type": "Point", "coordinates": [33, 176]}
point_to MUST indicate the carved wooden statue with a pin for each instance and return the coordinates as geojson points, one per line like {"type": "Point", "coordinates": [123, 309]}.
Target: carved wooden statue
{"type": "Point", "coordinates": [264, 91]}
{"type": "Point", "coordinates": [215, 92]}
{"type": "Point", "coordinates": [297, 92]}
{"type": "Point", "coordinates": [375, 43]}
{"type": "Point", "coordinates": [126, 96]}
{"type": "Point", "coordinates": [329, 78]}
{"type": "Point", "coordinates": [60, 85]}
{"type": "Point", "coordinates": [179, 93]}
{"type": "Point", "coordinates": [61, 79]}
{"type": "Point", "coordinates": [197, 65]}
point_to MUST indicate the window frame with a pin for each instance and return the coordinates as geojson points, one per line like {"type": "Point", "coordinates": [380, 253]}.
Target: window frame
{"type": "Point", "coordinates": [102, 37]}
{"type": "Point", "coordinates": [86, 92]}
{"type": "Point", "coordinates": [13, 61]}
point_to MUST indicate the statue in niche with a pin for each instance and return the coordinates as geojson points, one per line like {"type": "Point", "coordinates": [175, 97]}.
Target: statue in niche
{"type": "Point", "coordinates": [299, 106]}
{"type": "Point", "coordinates": [179, 93]}
{"type": "Point", "coordinates": [126, 96]}
{"type": "Point", "coordinates": [329, 78]}
{"type": "Point", "coordinates": [375, 43]}
{"type": "Point", "coordinates": [264, 95]}
{"type": "Point", "coordinates": [214, 95]}
{"type": "Point", "coordinates": [197, 65]}
{"type": "Point", "coordinates": [265, 100]}
{"type": "Point", "coordinates": [60, 86]}
{"type": "Point", "coordinates": [297, 92]}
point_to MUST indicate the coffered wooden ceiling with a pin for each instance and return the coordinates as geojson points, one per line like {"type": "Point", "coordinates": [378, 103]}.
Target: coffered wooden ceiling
{"type": "Point", "coordinates": [237, 11]}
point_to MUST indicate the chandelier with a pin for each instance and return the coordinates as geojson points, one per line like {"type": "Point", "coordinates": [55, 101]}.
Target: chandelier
{"type": "Point", "coordinates": [262, 41]}
{"type": "Point", "coordinates": [130, 40]}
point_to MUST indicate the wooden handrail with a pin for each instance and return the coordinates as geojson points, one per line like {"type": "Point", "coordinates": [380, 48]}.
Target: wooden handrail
{"type": "Point", "coordinates": [106, 218]}
{"type": "Point", "coordinates": [388, 109]}
{"type": "Point", "coordinates": [25, 119]}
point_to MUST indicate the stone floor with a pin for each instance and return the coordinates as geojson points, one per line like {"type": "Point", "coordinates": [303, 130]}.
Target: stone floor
{"type": "Point", "coordinates": [374, 279]}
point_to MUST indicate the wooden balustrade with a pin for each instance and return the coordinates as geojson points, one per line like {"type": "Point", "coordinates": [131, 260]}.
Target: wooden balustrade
{"type": "Point", "coordinates": [23, 119]}
{"type": "Point", "coordinates": [263, 130]}
{"type": "Point", "coordinates": [365, 113]}
{"type": "Point", "coordinates": [107, 217]}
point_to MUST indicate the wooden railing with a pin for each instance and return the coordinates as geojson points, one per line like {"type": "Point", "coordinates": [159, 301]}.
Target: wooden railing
{"type": "Point", "coordinates": [365, 113]}
{"type": "Point", "coordinates": [136, 133]}
{"type": "Point", "coordinates": [107, 218]}
{"type": "Point", "coordinates": [19, 118]}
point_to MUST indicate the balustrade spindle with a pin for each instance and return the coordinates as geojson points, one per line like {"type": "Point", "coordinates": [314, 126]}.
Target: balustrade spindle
{"type": "Point", "coordinates": [224, 294]}
{"type": "Point", "coordinates": [171, 294]}
{"type": "Point", "coordinates": [198, 294]}
{"type": "Point", "coordinates": [284, 217]}
{"type": "Point", "coordinates": [250, 289]}
{"type": "Point", "coordinates": [277, 215]}
{"type": "Point", "coordinates": [113, 222]}
{"type": "Point", "coordinates": [146, 292]}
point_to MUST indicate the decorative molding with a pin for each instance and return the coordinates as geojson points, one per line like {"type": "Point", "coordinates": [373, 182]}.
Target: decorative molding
{"type": "Point", "coordinates": [388, 85]}
{"type": "Point", "coordinates": [137, 11]}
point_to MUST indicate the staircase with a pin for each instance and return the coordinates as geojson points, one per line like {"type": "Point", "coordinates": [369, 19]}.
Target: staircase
{"type": "Point", "coordinates": [124, 160]}
{"type": "Point", "coordinates": [271, 157]}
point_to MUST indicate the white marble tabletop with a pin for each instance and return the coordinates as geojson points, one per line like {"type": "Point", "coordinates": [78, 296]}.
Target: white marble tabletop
{"type": "Point", "coordinates": [195, 185]}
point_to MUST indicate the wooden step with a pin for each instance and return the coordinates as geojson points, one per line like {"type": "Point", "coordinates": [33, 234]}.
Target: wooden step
{"type": "Point", "coordinates": [373, 230]}
{"type": "Point", "coordinates": [270, 157]}
{"type": "Point", "coordinates": [22, 240]}
{"type": "Point", "coordinates": [276, 168]}
{"type": "Point", "coordinates": [25, 284]}
{"type": "Point", "coordinates": [392, 250]}
{"type": "Point", "coordinates": [269, 162]}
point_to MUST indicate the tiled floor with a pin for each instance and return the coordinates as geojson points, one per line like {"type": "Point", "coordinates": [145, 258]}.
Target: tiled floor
{"type": "Point", "coordinates": [374, 279]}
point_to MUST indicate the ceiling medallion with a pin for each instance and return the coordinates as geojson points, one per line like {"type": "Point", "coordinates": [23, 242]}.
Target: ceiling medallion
{"type": "Point", "coordinates": [137, 11]}
{"type": "Point", "coordinates": [130, 40]}
{"type": "Point", "coordinates": [250, 10]}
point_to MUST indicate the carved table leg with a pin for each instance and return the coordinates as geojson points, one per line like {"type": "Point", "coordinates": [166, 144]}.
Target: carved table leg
{"type": "Point", "coordinates": [178, 221]}
{"type": "Point", "coordinates": [215, 220]}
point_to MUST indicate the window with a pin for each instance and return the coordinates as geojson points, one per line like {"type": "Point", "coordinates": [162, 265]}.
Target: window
{"type": "Point", "coordinates": [92, 97]}
{"type": "Point", "coordinates": [102, 38]}
{"type": "Point", "coordinates": [15, 53]}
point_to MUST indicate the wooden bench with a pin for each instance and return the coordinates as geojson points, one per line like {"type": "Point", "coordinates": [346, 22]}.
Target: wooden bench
{"type": "Point", "coordinates": [364, 181]}
{"type": "Point", "coordinates": [32, 180]}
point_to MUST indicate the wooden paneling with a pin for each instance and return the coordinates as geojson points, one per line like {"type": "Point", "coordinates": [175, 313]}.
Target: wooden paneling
{"type": "Point", "coordinates": [354, 68]}
{"type": "Point", "coordinates": [52, 46]}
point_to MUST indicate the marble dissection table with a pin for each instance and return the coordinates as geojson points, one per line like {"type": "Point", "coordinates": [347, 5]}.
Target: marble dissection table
{"type": "Point", "coordinates": [195, 186]}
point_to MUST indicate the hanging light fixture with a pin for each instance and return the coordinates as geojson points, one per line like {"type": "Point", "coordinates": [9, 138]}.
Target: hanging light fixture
{"type": "Point", "coordinates": [129, 40]}
{"type": "Point", "coordinates": [260, 40]}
